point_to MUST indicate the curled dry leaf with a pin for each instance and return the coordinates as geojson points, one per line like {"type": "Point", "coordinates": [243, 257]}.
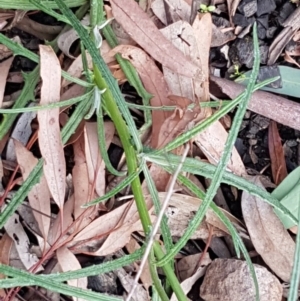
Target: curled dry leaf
{"type": "Point", "coordinates": [49, 131]}
{"type": "Point", "coordinates": [41, 31]}
{"type": "Point", "coordinates": [68, 262]}
{"type": "Point", "coordinates": [278, 164]}
{"type": "Point", "coordinates": [39, 195]}
{"type": "Point", "coordinates": [268, 235]}
{"type": "Point", "coordinates": [22, 132]}
{"type": "Point", "coordinates": [4, 67]}
{"type": "Point", "coordinates": [140, 27]}
{"type": "Point", "coordinates": [230, 280]}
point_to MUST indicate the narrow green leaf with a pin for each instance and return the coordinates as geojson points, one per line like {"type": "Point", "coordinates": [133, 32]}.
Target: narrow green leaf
{"type": "Point", "coordinates": [290, 81]}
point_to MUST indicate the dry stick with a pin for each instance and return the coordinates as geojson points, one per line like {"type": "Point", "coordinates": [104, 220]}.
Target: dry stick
{"type": "Point", "coordinates": [272, 106]}
{"type": "Point", "coordinates": [157, 223]}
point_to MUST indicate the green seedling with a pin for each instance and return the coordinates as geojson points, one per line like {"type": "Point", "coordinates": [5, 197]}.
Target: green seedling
{"type": "Point", "coordinates": [237, 72]}
{"type": "Point", "coordinates": [207, 9]}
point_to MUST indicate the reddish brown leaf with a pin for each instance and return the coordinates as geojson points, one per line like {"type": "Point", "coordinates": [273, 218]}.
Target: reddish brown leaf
{"type": "Point", "coordinates": [140, 27]}
{"type": "Point", "coordinates": [278, 165]}
{"type": "Point", "coordinates": [154, 83]}
{"type": "Point", "coordinates": [4, 67]}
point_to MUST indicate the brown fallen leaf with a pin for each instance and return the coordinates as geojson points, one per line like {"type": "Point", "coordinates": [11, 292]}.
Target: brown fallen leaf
{"type": "Point", "coordinates": [49, 131]}
{"type": "Point", "coordinates": [179, 10]}
{"type": "Point", "coordinates": [39, 195]}
{"type": "Point", "coordinates": [212, 141]}
{"type": "Point", "coordinates": [230, 280]}
{"type": "Point", "coordinates": [68, 262]}
{"type": "Point", "coordinates": [186, 265]}
{"type": "Point", "coordinates": [278, 165]}
{"type": "Point", "coordinates": [5, 247]}
{"type": "Point", "coordinates": [291, 26]}
{"type": "Point", "coordinates": [153, 82]}
{"type": "Point", "coordinates": [4, 67]}
{"type": "Point", "coordinates": [268, 235]}
{"type": "Point", "coordinates": [95, 165]}
{"type": "Point", "coordinates": [140, 27]}
{"type": "Point", "coordinates": [287, 112]}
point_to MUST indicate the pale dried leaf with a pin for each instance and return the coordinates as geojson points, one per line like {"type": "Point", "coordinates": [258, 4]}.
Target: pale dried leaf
{"type": "Point", "coordinates": [268, 235]}
{"type": "Point", "coordinates": [68, 262]}
{"type": "Point", "coordinates": [181, 210]}
{"type": "Point", "coordinates": [49, 131]}
{"type": "Point", "coordinates": [140, 294]}
{"type": "Point", "coordinates": [230, 280]}
{"type": "Point", "coordinates": [4, 67]}
{"type": "Point", "coordinates": [138, 24]}
{"type": "Point", "coordinates": [182, 36]}
{"type": "Point", "coordinates": [178, 10]}
{"type": "Point", "coordinates": [56, 228]}
{"type": "Point", "coordinates": [39, 195]}
{"type": "Point", "coordinates": [212, 142]}
{"type": "Point", "coordinates": [95, 165]}
{"type": "Point", "coordinates": [17, 233]}
{"type": "Point", "coordinates": [188, 283]}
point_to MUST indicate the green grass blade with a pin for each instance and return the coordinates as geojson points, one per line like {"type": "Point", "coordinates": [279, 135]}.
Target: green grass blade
{"type": "Point", "coordinates": [64, 103]}
{"type": "Point", "coordinates": [46, 7]}
{"type": "Point", "coordinates": [26, 95]}
{"type": "Point", "coordinates": [18, 49]}
{"type": "Point", "coordinates": [115, 190]}
{"type": "Point", "coordinates": [102, 145]}
{"type": "Point", "coordinates": [26, 5]}
{"type": "Point", "coordinates": [165, 230]}
{"type": "Point", "coordinates": [207, 170]}
{"type": "Point", "coordinates": [187, 136]}
{"type": "Point", "coordinates": [103, 69]}
{"type": "Point", "coordinates": [32, 280]}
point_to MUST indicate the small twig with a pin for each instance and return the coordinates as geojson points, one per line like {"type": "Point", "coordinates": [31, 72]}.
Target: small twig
{"type": "Point", "coordinates": [158, 221]}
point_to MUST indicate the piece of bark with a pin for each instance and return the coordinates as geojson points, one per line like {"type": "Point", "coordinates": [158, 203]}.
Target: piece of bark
{"type": "Point", "coordinates": [267, 104]}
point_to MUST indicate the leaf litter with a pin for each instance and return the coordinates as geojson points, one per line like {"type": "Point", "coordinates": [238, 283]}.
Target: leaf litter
{"type": "Point", "coordinates": [172, 61]}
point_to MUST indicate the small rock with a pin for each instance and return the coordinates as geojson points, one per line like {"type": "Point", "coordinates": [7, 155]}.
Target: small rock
{"type": "Point", "coordinates": [267, 72]}
{"type": "Point", "coordinates": [248, 8]}
{"type": "Point", "coordinates": [230, 280]}
{"type": "Point", "coordinates": [265, 7]}
{"type": "Point", "coordinates": [271, 32]}
{"type": "Point", "coordinates": [241, 20]}
{"type": "Point", "coordinates": [285, 11]}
